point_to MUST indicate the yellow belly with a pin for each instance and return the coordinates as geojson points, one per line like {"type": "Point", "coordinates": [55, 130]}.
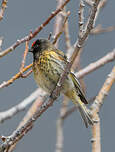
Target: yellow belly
{"type": "Point", "coordinates": [43, 82]}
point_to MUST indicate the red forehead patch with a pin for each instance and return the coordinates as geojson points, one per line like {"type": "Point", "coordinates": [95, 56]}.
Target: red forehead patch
{"type": "Point", "coordinates": [33, 43]}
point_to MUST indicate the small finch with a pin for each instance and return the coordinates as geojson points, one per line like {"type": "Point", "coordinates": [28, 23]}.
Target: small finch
{"type": "Point", "coordinates": [48, 64]}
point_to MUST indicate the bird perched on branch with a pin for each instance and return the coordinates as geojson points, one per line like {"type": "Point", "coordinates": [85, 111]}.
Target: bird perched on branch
{"type": "Point", "coordinates": [48, 64]}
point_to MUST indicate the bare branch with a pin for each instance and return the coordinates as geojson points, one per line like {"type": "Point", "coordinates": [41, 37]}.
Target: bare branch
{"type": "Point", "coordinates": [67, 36]}
{"type": "Point", "coordinates": [20, 107]}
{"type": "Point", "coordinates": [96, 146]}
{"type": "Point", "coordinates": [95, 65]}
{"type": "Point", "coordinates": [103, 92]}
{"type": "Point", "coordinates": [81, 16]}
{"type": "Point", "coordinates": [58, 22]}
{"type": "Point", "coordinates": [59, 126]}
{"type": "Point", "coordinates": [59, 136]}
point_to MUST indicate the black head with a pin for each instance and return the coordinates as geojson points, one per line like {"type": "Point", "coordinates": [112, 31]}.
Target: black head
{"type": "Point", "coordinates": [39, 46]}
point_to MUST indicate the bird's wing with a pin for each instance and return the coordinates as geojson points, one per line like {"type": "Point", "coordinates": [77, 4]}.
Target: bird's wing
{"type": "Point", "coordinates": [62, 56]}
{"type": "Point", "coordinates": [59, 58]}
{"type": "Point", "coordinates": [78, 88]}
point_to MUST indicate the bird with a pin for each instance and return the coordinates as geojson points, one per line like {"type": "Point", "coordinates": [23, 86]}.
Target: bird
{"type": "Point", "coordinates": [48, 65]}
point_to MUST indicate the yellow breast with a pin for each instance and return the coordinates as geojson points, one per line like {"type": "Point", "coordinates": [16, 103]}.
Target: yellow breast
{"type": "Point", "coordinates": [44, 72]}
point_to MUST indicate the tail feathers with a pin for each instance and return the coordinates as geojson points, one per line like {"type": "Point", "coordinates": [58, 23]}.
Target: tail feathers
{"type": "Point", "coordinates": [85, 114]}
{"type": "Point", "coordinates": [84, 111]}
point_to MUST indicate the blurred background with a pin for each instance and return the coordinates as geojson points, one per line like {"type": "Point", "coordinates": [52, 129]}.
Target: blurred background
{"type": "Point", "coordinates": [21, 17]}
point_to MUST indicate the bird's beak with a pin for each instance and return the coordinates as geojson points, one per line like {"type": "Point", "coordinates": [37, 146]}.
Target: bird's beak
{"type": "Point", "coordinates": [30, 50]}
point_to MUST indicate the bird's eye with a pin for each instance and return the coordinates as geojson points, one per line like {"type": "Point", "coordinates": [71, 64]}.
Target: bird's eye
{"type": "Point", "coordinates": [36, 46]}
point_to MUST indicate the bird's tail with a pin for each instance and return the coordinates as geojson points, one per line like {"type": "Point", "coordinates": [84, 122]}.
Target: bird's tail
{"type": "Point", "coordinates": [85, 112]}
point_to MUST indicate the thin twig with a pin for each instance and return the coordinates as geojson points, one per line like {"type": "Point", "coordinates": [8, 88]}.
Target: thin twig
{"type": "Point", "coordinates": [24, 58]}
{"type": "Point", "coordinates": [95, 108]}
{"type": "Point", "coordinates": [58, 22]}
{"type": "Point", "coordinates": [3, 7]}
{"type": "Point", "coordinates": [26, 74]}
{"type": "Point", "coordinates": [32, 35]}
{"type": "Point", "coordinates": [100, 6]}
{"type": "Point", "coordinates": [62, 28]}
{"type": "Point", "coordinates": [98, 29]}
{"type": "Point", "coordinates": [67, 38]}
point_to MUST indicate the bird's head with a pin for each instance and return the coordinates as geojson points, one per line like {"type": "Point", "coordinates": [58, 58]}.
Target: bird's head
{"type": "Point", "coordinates": [39, 46]}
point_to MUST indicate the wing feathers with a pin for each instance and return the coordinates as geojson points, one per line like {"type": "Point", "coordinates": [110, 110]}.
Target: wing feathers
{"type": "Point", "coordinates": [78, 88]}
